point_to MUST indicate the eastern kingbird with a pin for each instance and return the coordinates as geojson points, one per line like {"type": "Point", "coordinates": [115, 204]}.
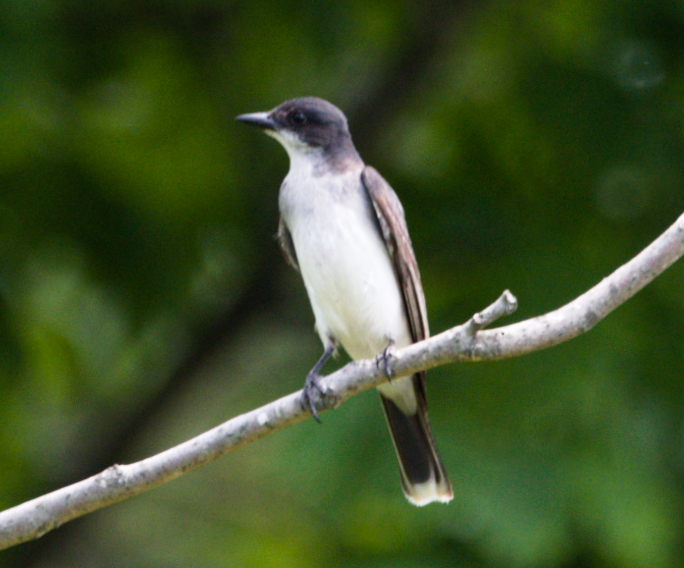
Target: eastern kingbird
{"type": "Point", "coordinates": [343, 227]}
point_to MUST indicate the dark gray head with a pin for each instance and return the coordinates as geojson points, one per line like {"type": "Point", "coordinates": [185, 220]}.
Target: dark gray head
{"type": "Point", "coordinates": [307, 125]}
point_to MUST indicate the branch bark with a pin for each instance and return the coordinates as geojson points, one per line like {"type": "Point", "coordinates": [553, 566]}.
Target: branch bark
{"type": "Point", "coordinates": [467, 342]}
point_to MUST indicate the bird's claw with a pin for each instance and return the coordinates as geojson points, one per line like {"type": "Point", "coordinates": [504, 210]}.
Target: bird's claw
{"type": "Point", "coordinates": [309, 396]}
{"type": "Point", "coordinates": [383, 358]}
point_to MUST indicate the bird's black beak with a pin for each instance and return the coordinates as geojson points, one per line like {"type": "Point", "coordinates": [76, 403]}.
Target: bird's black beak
{"type": "Point", "coordinates": [260, 119]}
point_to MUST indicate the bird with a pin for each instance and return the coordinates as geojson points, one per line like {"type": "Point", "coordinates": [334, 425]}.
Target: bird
{"type": "Point", "coordinates": [343, 228]}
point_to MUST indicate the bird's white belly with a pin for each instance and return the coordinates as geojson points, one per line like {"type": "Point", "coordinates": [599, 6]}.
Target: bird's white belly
{"type": "Point", "coordinates": [350, 280]}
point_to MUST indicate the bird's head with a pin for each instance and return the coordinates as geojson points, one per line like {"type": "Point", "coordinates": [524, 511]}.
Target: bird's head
{"type": "Point", "coordinates": [305, 126]}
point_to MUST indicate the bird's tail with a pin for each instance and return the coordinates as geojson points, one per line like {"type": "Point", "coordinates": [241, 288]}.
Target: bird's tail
{"type": "Point", "coordinates": [423, 477]}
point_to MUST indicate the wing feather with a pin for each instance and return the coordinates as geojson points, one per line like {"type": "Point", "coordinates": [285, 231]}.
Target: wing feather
{"type": "Point", "coordinates": [394, 231]}
{"type": "Point", "coordinates": [287, 246]}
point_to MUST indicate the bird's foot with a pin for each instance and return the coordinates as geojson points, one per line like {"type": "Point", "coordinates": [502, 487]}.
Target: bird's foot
{"type": "Point", "coordinates": [312, 393]}
{"type": "Point", "coordinates": [383, 358]}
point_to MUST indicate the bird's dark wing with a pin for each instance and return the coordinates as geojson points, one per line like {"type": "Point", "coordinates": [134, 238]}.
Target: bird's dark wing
{"type": "Point", "coordinates": [390, 215]}
{"type": "Point", "coordinates": [419, 459]}
{"type": "Point", "coordinates": [286, 244]}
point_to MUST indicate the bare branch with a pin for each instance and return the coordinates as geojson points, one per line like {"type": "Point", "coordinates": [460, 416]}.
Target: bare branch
{"type": "Point", "coordinates": [468, 342]}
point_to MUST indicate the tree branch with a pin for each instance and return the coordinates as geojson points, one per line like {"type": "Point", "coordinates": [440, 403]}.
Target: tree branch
{"type": "Point", "coordinates": [467, 342]}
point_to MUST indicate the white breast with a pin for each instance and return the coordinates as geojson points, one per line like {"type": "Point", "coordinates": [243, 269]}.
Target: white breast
{"type": "Point", "coordinates": [346, 268]}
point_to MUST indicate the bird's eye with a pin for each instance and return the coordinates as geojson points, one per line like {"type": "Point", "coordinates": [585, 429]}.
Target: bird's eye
{"type": "Point", "coordinates": [299, 118]}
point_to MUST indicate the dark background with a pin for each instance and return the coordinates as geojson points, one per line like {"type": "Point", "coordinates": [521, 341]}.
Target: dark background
{"type": "Point", "coordinates": [536, 146]}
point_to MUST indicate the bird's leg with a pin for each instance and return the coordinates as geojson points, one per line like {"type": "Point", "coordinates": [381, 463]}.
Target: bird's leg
{"type": "Point", "coordinates": [311, 383]}
{"type": "Point", "coordinates": [383, 358]}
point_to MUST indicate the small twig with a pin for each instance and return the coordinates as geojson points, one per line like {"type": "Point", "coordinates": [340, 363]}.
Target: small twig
{"type": "Point", "coordinates": [505, 305]}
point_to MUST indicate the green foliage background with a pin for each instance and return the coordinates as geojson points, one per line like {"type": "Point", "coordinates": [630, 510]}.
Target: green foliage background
{"type": "Point", "coordinates": [536, 146]}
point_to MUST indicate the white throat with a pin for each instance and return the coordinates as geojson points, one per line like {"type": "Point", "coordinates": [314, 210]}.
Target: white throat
{"type": "Point", "coordinates": [304, 160]}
